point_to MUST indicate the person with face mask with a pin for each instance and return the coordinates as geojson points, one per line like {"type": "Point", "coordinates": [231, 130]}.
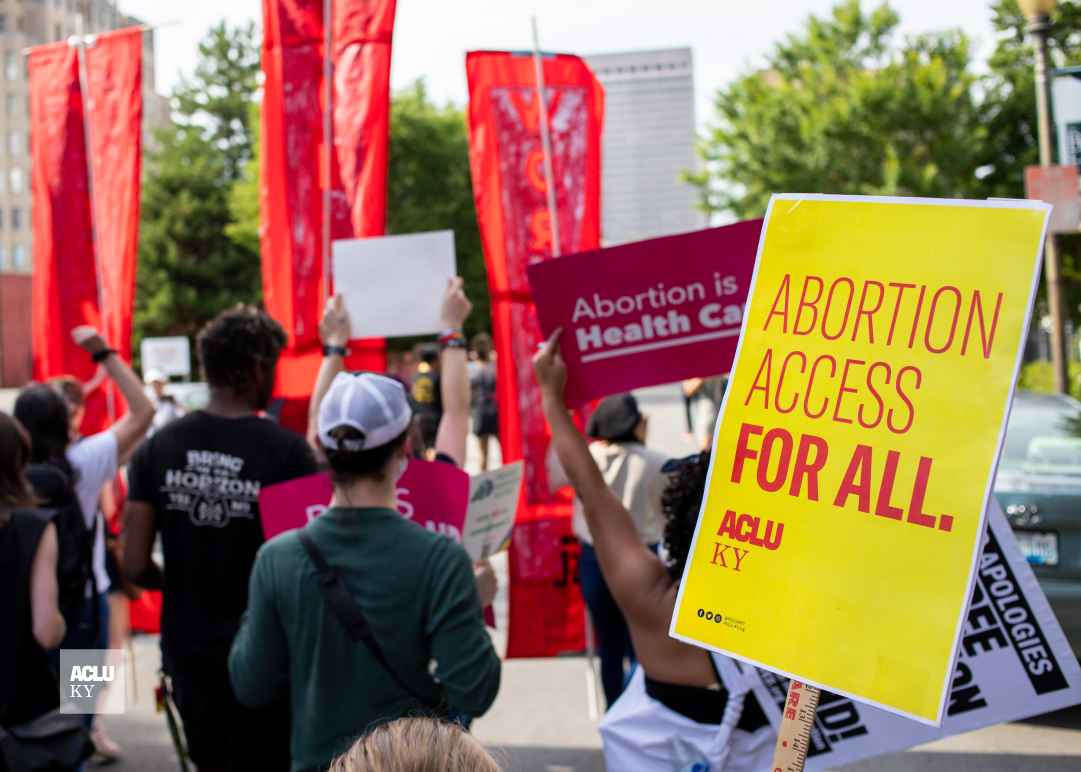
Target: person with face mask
{"type": "Point", "coordinates": [197, 484]}
{"type": "Point", "coordinates": [346, 614]}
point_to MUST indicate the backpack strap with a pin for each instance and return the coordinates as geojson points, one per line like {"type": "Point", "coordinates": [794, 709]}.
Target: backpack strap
{"type": "Point", "coordinates": [341, 602]}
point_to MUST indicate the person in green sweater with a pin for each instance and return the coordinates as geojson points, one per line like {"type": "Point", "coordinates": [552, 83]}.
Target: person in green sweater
{"type": "Point", "coordinates": [428, 650]}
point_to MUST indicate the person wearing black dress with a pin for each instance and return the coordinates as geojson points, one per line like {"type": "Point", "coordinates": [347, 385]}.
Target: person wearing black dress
{"type": "Point", "coordinates": [28, 604]}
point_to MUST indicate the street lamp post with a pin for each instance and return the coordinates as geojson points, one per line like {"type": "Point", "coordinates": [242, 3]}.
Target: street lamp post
{"type": "Point", "coordinates": [1038, 13]}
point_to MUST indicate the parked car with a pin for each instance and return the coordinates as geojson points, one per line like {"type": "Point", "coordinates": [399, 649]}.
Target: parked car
{"type": "Point", "coordinates": [1039, 488]}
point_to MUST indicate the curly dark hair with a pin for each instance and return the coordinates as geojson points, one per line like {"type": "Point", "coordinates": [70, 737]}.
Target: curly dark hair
{"type": "Point", "coordinates": [236, 343]}
{"type": "Point", "coordinates": [680, 503]}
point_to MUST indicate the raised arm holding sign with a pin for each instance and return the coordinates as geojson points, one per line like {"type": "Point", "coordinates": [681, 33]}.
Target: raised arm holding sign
{"type": "Point", "coordinates": [649, 726]}
{"type": "Point", "coordinates": [858, 441]}
{"type": "Point", "coordinates": [650, 312]}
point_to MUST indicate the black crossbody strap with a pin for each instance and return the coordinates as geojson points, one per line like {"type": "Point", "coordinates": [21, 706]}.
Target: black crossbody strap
{"type": "Point", "coordinates": [352, 618]}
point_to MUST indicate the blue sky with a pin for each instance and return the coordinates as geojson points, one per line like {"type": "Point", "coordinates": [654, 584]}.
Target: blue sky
{"type": "Point", "coordinates": [431, 36]}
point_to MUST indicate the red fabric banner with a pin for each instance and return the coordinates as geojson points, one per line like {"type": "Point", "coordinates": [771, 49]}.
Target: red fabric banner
{"type": "Point", "coordinates": [114, 82]}
{"type": "Point", "coordinates": [65, 284]}
{"type": "Point", "coordinates": [292, 165]}
{"type": "Point", "coordinates": [510, 191]}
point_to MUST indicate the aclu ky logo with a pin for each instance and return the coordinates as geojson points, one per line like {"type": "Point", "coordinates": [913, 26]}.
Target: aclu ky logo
{"type": "Point", "coordinates": [92, 681]}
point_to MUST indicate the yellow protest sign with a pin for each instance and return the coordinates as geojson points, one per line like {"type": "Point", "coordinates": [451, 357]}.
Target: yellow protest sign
{"type": "Point", "coordinates": [858, 439]}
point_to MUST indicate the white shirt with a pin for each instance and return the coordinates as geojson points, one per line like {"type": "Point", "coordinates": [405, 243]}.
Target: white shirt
{"type": "Point", "coordinates": [94, 460]}
{"type": "Point", "coordinates": [643, 735]}
{"type": "Point", "coordinates": [633, 472]}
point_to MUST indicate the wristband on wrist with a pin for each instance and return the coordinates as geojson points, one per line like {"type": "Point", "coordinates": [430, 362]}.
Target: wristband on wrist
{"type": "Point", "coordinates": [452, 339]}
{"type": "Point", "coordinates": [100, 356]}
{"type": "Point", "coordinates": [335, 351]}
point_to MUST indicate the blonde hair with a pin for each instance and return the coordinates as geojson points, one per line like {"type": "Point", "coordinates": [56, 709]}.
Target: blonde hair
{"type": "Point", "coordinates": [416, 745]}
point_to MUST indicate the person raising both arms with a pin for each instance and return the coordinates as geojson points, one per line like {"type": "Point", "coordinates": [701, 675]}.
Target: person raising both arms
{"type": "Point", "coordinates": [347, 615]}
{"type": "Point", "coordinates": [674, 706]}
{"type": "Point", "coordinates": [197, 483]}
{"type": "Point", "coordinates": [452, 430]}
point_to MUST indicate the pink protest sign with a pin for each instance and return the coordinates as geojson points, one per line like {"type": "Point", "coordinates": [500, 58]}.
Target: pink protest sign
{"type": "Point", "coordinates": [650, 312]}
{"type": "Point", "coordinates": [433, 495]}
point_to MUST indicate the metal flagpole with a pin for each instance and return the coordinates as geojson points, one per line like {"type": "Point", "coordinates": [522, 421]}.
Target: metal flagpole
{"type": "Point", "coordinates": [592, 699]}
{"type": "Point", "coordinates": [82, 43]}
{"type": "Point", "coordinates": [546, 143]}
{"type": "Point", "coordinates": [328, 136]}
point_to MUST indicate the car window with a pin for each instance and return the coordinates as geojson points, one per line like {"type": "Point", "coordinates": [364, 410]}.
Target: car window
{"type": "Point", "coordinates": [1043, 438]}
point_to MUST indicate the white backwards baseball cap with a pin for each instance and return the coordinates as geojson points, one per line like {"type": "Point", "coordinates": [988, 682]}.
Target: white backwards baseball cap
{"type": "Point", "coordinates": [374, 405]}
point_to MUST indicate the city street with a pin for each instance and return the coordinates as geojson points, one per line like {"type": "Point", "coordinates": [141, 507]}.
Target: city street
{"type": "Point", "coordinates": [542, 721]}
{"type": "Point", "coordinates": [865, 211]}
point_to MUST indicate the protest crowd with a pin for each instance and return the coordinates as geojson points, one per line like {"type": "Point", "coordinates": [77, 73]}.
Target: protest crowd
{"type": "Point", "coordinates": [280, 654]}
{"type": "Point", "coordinates": [317, 560]}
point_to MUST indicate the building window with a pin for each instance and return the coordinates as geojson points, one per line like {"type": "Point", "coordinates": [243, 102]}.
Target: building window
{"type": "Point", "coordinates": [15, 142]}
{"type": "Point", "coordinates": [58, 32]}
{"type": "Point", "coordinates": [19, 257]}
{"type": "Point", "coordinates": [1, 219]}
{"type": "Point", "coordinates": [16, 180]}
{"type": "Point", "coordinates": [11, 65]}
{"type": "Point", "coordinates": [11, 104]}
{"type": "Point", "coordinates": [16, 219]}
{"type": "Point", "coordinates": [3, 258]}
{"type": "Point", "coordinates": [3, 22]}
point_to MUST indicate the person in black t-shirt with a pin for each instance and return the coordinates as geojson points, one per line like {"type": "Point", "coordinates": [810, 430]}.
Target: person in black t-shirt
{"type": "Point", "coordinates": [427, 395]}
{"type": "Point", "coordinates": [197, 483]}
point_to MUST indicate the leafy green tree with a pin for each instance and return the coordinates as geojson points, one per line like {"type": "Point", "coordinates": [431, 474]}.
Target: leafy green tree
{"type": "Point", "coordinates": [220, 93]}
{"type": "Point", "coordinates": [189, 268]}
{"type": "Point", "coordinates": [1009, 108]}
{"type": "Point", "coordinates": [846, 106]}
{"type": "Point", "coordinates": [429, 189]}
{"type": "Point", "coordinates": [430, 186]}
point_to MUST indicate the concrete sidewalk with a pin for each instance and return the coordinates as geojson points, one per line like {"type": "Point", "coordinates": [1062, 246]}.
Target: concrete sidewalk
{"type": "Point", "coordinates": [541, 723]}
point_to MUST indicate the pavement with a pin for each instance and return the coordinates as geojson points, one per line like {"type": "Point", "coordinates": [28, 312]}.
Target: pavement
{"type": "Point", "coordinates": [545, 717]}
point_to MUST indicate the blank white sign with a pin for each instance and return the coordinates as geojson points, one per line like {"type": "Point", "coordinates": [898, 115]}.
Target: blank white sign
{"type": "Point", "coordinates": [172, 356]}
{"type": "Point", "coordinates": [393, 286]}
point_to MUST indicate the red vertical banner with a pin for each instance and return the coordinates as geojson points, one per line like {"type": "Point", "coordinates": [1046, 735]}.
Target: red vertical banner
{"type": "Point", "coordinates": [363, 33]}
{"type": "Point", "coordinates": [292, 163]}
{"type": "Point", "coordinates": [114, 83]}
{"type": "Point", "coordinates": [510, 191]}
{"type": "Point", "coordinates": [65, 289]}
{"type": "Point", "coordinates": [66, 280]}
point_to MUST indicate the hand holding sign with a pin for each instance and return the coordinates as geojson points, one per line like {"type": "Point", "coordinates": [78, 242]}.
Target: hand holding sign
{"type": "Point", "coordinates": [392, 285]}
{"type": "Point", "coordinates": [550, 368]}
{"type": "Point", "coordinates": [647, 313]}
{"type": "Point", "coordinates": [335, 329]}
{"type": "Point", "coordinates": [456, 306]}
{"type": "Point", "coordinates": [858, 439]}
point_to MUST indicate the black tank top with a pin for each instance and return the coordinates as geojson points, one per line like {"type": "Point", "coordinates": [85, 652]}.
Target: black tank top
{"type": "Point", "coordinates": [28, 687]}
{"type": "Point", "coordinates": [704, 705]}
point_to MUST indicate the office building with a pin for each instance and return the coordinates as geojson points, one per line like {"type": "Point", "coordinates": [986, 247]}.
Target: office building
{"type": "Point", "coordinates": [649, 143]}
{"type": "Point", "coordinates": [25, 23]}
